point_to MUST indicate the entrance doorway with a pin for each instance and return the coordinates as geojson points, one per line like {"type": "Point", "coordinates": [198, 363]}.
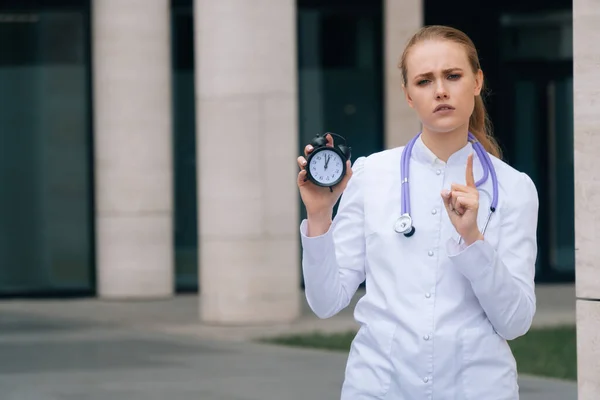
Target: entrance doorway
{"type": "Point", "coordinates": [538, 105]}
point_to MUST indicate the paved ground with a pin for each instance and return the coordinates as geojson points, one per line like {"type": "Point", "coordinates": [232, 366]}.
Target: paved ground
{"type": "Point", "coordinates": [92, 350]}
{"type": "Point", "coordinates": [179, 315]}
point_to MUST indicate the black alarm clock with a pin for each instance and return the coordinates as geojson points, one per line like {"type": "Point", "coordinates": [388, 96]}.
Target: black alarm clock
{"type": "Point", "coordinates": [326, 165]}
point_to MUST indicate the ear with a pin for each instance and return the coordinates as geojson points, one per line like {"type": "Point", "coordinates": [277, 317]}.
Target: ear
{"type": "Point", "coordinates": [478, 82]}
{"type": "Point", "coordinates": [407, 96]}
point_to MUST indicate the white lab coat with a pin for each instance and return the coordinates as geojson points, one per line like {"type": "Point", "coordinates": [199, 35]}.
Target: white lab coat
{"type": "Point", "coordinates": [436, 315]}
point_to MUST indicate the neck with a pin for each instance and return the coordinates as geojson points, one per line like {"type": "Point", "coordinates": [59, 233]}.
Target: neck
{"type": "Point", "coordinates": [444, 144]}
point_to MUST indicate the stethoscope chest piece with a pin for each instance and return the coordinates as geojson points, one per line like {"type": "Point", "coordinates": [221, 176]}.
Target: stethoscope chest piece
{"type": "Point", "coordinates": [404, 225]}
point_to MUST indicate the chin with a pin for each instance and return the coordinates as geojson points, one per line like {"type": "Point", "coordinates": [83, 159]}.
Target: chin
{"type": "Point", "coordinates": [445, 127]}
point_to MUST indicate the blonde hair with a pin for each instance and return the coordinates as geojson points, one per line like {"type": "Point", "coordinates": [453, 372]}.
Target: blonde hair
{"type": "Point", "coordinates": [479, 123]}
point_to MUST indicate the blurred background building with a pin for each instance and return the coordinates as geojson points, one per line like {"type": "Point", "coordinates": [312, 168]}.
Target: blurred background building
{"type": "Point", "coordinates": [148, 147]}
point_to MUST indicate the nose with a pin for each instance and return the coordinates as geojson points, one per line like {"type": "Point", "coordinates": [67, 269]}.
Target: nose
{"type": "Point", "coordinates": [440, 92]}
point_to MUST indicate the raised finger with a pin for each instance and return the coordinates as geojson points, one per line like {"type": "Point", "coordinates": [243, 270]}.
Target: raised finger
{"type": "Point", "coordinates": [470, 179]}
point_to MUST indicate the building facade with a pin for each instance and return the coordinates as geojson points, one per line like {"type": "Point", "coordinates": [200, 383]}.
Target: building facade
{"type": "Point", "coordinates": [149, 146]}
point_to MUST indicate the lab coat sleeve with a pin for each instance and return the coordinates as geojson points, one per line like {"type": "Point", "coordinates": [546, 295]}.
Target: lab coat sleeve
{"type": "Point", "coordinates": [503, 279]}
{"type": "Point", "coordinates": [333, 264]}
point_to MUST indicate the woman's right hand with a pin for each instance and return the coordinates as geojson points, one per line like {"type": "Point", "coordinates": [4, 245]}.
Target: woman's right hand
{"type": "Point", "coordinates": [319, 201]}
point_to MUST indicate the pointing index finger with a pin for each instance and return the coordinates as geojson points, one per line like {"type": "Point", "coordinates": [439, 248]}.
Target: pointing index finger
{"type": "Point", "coordinates": [470, 179]}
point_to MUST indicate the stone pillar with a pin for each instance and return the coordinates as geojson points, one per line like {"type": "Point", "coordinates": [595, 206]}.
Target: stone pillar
{"type": "Point", "coordinates": [247, 148]}
{"type": "Point", "coordinates": [132, 143]}
{"type": "Point", "coordinates": [586, 86]}
{"type": "Point", "coordinates": [402, 19]}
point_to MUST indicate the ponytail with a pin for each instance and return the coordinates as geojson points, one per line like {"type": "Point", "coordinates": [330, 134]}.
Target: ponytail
{"type": "Point", "coordinates": [481, 127]}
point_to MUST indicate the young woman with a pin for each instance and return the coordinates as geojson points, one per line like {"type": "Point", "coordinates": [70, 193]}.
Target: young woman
{"type": "Point", "coordinates": [441, 300]}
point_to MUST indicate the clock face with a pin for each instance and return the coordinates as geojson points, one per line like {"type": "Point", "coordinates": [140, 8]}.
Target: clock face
{"type": "Point", "coordinates": [326, 167]}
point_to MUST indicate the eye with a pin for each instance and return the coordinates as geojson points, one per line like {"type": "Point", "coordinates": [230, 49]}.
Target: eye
{"type": "Point", "coordinates": [454, 77]}
{"type": "Point", "coordinates": [422, 82]}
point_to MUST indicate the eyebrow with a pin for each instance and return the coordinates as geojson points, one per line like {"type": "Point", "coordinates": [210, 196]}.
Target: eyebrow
{"type": "Point", "coordinates": [444, 72]}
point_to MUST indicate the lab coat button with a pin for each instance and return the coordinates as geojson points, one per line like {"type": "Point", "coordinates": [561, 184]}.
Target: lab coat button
{"type": "Point", "coordinates": [430, 253]}
{"type": "Point", "coordinates": [438, 172]}
{"type": "Point", "coordinates": [426, 337]}
{"type": "Point", "coordinates": [426, 379]}
{"type": "Point", "coordinates": [434, 211]}
{"type": "Point", "coordinates": [428, 295]}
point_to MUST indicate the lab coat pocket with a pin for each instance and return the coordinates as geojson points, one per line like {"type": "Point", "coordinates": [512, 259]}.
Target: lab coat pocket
{"type": "Point", "coordinates": [369, 368]}
{"type": "Point", "coordinates": [488, 366]}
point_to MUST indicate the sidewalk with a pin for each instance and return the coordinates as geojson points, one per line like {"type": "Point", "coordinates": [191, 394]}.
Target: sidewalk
{"type": "Point", "coordinates": [156, 350]}
{"type": "Point", "coordinates": [179, 315]}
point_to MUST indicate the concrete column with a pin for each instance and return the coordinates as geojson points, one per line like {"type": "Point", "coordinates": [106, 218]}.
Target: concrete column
{"type": "Point", "coordinates": [586, 86]}
{"type": "Point", "coordinates": [132, 142]}
{"type": "Point", "coordinates": [247, 149]}
{"type": "Point", "coordinates": [402, 19]}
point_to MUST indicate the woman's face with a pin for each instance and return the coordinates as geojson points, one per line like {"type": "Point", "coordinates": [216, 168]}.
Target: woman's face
{"type": "Point", "coordinates": [440, 84]}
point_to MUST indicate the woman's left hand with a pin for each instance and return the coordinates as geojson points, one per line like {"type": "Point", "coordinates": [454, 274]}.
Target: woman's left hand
{"type": "Point", "coordinates": [462, 205]}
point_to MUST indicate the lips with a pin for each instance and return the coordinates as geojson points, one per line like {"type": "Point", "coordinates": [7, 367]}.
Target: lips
{"type": "Point", "coordinates": [443, 107]}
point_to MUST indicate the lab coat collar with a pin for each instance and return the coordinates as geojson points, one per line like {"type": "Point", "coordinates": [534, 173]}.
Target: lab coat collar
{"type": "Point", "coordinates": [423, 154]}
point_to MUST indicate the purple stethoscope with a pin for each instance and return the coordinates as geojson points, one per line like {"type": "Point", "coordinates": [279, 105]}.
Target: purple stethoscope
{"type": "Point", "coordinates": [404, 224]}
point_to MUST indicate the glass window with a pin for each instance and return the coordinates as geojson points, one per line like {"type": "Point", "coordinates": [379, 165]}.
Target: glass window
{"type": "Point", "coordinates": [537, 96]}
{"type": "Point", "coordinates": [340, 73]}
{"type": "Point", "coordinates": [45, 176]}
{"type": "Point", "coordinates": [184, 141]}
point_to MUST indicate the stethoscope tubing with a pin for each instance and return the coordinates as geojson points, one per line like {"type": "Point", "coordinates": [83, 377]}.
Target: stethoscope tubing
{"type": "Point", "coordinates": [488, 169]}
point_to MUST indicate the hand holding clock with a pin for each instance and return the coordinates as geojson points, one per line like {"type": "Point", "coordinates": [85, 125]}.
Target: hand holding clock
{"type": "Point", "coordinates": [320, 200]}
